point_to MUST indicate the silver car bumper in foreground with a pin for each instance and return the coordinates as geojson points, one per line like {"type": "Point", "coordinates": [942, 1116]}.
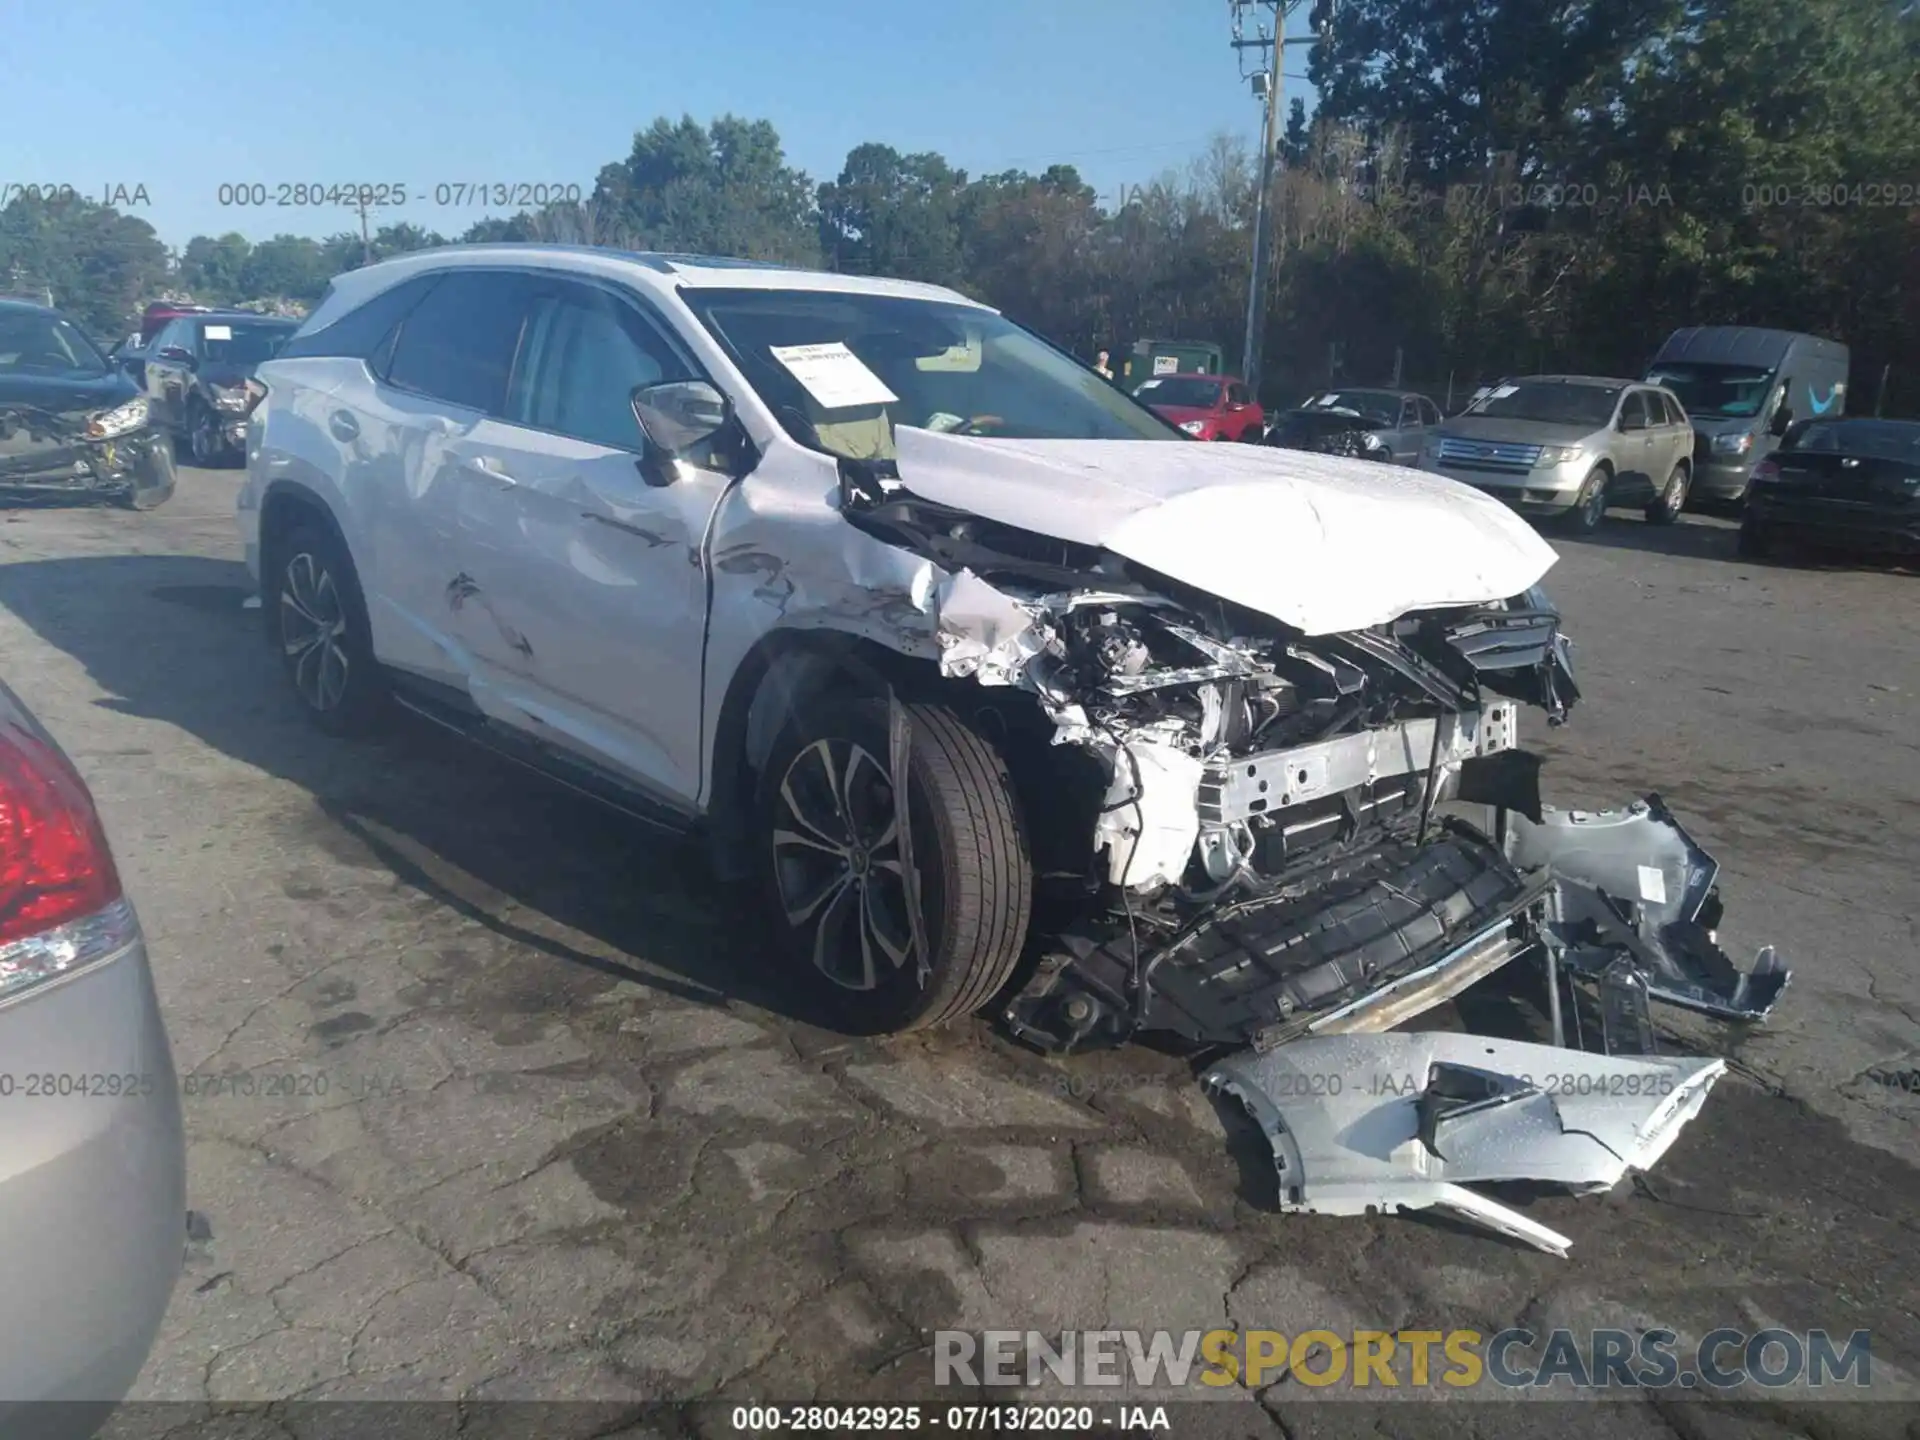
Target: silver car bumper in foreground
{"type": "Point", "coordinates": [92, 1186]}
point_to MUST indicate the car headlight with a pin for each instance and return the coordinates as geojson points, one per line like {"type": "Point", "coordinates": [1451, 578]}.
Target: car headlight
{"type": "Point", "coordinates": [1194, 427]}
{"type": "Point", "coordinates": [1732, 444]}
{"type": "Point", "coordinates": [1551, 455]}
{"type": "Point", "coordinates": [121, 420]}
{"type": "Point", "coordinates": [234, 398]}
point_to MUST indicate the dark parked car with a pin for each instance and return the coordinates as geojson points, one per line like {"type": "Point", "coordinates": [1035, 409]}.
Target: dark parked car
{"type": "Point", "coordinates": [1852, 483]}
{"type": "Point", "coordinates": [197, 370]}
{"type": "Point", "coordinates": [1390, 425]}
{"type": "Point", "coordinates": [71, 421]}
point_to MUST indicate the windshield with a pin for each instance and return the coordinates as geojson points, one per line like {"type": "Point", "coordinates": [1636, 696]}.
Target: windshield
{"type": "Point", "coordinates": [1897, 440]}
{"type": "Point", "coordinates": [1299, 424]}
{"type": "Point", "coordinates": [1553, 402]}
{"type": "Point", "coordinates": [1373, 404]}
{"type": "Point", "coordinates": [842, 369]}
{"type": "Point", "coordinates": [1187, 391]}
{"type": "Point", "coordinates": [33, 342]}
{"type": "Point", "coordinates": [238, 343]}
{"type": "Point", "coordinates": [1720, 392]}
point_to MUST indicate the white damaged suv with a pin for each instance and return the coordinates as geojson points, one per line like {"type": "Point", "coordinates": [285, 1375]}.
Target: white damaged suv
{"type": "Point", "coordinates": [1002, 690]}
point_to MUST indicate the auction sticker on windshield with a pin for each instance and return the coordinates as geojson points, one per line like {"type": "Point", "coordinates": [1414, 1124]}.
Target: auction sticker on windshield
{"type": "Point", "coordinates": [218, 332]}
{"type": "Point", "coordinates": [834, 376]}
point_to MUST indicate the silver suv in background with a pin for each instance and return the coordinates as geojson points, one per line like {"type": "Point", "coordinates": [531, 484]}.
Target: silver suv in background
{"type": "Point", "coordinates": [1569, 446]}
{"type": "Point", "coordinates": [92, 1154]}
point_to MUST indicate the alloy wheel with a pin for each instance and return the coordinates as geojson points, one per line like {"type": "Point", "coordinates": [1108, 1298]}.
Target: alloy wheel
{"type": "Point", "coordinates": [1593, 503]}
{"type": "Point", "coordinates": [1674, 498]}
{"type": "Point", "coordinates": [837, 863]}
{"type": "Point", "coordinates": [313, 627]}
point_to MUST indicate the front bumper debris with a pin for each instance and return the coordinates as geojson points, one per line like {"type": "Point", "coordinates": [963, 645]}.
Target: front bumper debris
{"type": "Point", "coordinates": [1413, 1121]}
{"type": "Point", "coordinates": [1617, 908]}
{"type": "Point", "coordinates": [1631, 885]}
{"type": "Point", "coordinates": [49, 463]}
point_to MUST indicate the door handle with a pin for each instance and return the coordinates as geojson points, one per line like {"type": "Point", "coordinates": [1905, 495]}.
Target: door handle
{"type": "Point", "coordinates": [345, 428]}
{"type": "Point", "coordinates": [488, 468]}
{"type": "Point", "coordinates": [1849, 461]}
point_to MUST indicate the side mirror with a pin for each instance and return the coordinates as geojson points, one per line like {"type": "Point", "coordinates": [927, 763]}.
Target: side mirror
{"type": "Point", "coordinates": [1782, 421]}
{"type": "Point", "coordinates": [677, 415]}
{"type": "Point", "coordinates": [176, 353]}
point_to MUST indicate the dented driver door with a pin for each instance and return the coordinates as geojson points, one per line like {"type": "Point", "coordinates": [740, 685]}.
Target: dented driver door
{"type": "Point", "coordinates": [579, 589]}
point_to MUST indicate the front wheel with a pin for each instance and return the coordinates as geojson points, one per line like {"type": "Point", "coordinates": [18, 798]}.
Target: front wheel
{"type": "Point", "coordinates": [1672, 499]}
{"type": "Point", "coordinates": [1591, 506]}
{"type": "Point", "coordinates": [836, 877]}
{"type": "Point", "coordinates": [320, 623]}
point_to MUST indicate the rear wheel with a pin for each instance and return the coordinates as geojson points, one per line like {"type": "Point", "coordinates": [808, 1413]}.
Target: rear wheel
{"type": "Point", "coordinates": [1671, 500]}
{"type": "Point", "coordinates": [203, 435]}
{"type": "Point", "coordinates": [320, 624]}
{"type": "Point", "coordinates": [836, 880]}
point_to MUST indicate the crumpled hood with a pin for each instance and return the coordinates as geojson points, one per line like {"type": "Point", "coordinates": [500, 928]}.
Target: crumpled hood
{"type": "Point", "coordinates": [1318, 542]}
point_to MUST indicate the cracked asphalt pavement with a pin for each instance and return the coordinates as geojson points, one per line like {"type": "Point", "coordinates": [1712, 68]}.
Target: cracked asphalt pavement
{"type": "Point", "coordinates": [494, 1099]}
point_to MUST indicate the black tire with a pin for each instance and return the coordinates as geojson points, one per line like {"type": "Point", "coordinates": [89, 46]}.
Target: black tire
{"type": "Point", "coordinates": [1754, 542]}
{"type": "Point", "coordinates": [205, 448]}
{"type": "Point", "coordinates": [1590, 508]}
{"type": "Point", "coordinates": [976, 882]}
{"type": "Point", "coordinates": [1667, 507]}
{"type": "Point", "coordinates": [335, 677]}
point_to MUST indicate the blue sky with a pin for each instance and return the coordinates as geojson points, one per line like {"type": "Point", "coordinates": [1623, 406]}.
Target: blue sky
{"type": "Point", "coordinates": [182, 97]}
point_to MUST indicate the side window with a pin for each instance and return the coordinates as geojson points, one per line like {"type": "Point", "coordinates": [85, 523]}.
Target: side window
{"type": "Point", "coordinates": [1429, 412]}
{"type": "Point", "coordinates": [1633, 411]}
{"type": "Point", "coordinates": [1409, 413]}
{"type": "Point", "coordinates": [1823, 437]}
{"type": "Point", "coordinates": [459, 342]}
{"type": "Point", "coordinates": [585, 353]}
{"type": "Point", "coordinates": [363, 332]}
{"type": "Point", "coordinates": [1238, 395]}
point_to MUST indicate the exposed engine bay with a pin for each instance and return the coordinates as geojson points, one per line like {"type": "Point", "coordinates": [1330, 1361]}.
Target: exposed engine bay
{"type": "Point", "coordinates": [1278, 855]}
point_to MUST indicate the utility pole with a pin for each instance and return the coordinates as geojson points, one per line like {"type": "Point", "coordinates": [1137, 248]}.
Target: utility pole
{"type": "Point", "coordinates": [1269, 82]}
{"type": "Point", "coordinates": [366, 240]}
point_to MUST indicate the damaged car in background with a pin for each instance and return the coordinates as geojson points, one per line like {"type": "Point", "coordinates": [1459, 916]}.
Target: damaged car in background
{"type": "Point", "coordinates": [1005, 695]}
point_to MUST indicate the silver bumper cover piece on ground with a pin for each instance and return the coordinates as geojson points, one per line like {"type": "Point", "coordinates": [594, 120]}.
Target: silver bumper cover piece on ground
{"type": "Point", "coordinates": [1363, 1123]}
{"type": "Point", "coordinates": [1635, 910]}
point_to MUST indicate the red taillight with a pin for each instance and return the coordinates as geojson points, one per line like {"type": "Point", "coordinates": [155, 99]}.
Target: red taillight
{"type": "Point", "coordinates": [55, 866]}
{"type": "Point", "coordinates": [256, 392]}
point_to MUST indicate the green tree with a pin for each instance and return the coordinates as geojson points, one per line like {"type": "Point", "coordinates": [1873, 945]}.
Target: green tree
{"type": "Point", "coordinates": [211, 268]}
{"type": "Point", "coordinates": [894, 214]}
{"type": "Point", "coordinates": [724, 189]}
{"type": "Point", "coordinates": [94, 262]}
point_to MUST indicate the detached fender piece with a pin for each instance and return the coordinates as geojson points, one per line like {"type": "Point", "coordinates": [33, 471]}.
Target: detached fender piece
{"type": "Point", "coordinates": [1394, 1122]}
{"type": "Point", "coordinates": [1633, 880]}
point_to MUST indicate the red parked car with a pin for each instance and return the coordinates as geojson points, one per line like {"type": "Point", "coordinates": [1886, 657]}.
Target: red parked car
{"type": "Point", "coordinates": [1207, 407]}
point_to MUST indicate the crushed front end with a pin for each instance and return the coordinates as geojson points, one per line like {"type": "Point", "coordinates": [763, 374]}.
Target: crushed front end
{"type": "Point", "coordinates": [1272, 861]}
{"type": "Point", "coordinates": [1270, 837]}
{"type": "Point", "coordinates": [1252, 823]}
{"type": "Point", "coordinates": [79, 449]}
